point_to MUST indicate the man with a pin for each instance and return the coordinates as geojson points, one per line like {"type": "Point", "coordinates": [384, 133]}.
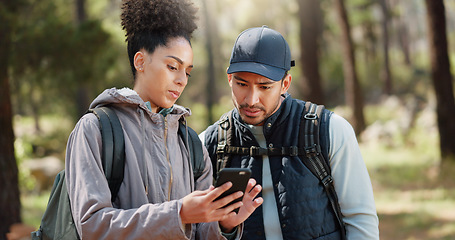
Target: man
{"type": "Point", "coordinates": [295, 206]}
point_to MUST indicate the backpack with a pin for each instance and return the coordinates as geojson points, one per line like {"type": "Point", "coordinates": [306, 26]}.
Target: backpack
{"type": "Point", "coordinates": [57, 221]}
{"type": "Point", "coordinates": [309, 150]}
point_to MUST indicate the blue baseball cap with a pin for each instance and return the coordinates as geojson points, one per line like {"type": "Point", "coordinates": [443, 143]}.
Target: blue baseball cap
{"type": "Point", "coordinates": [262, 51]}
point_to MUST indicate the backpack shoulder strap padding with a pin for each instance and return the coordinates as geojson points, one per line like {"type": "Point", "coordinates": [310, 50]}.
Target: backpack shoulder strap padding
{"type": "Point", "coordinates": [57, 222]}
{"type": "Point", "coordinates": [314, 159]}
{"type": "Point", "coordinates": [224, 141]}
{"type": "Point", "coordinates": [113, 150]}
{"type": "Point", "coordinates": [194, 145]}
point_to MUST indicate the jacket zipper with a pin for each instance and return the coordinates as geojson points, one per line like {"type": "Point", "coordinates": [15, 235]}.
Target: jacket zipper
{"type": "Point", "coordinates": [168, 160]}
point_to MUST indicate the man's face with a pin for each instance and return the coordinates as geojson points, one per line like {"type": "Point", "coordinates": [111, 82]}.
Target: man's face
{"type": "Point", "coordinates": [256, 97]}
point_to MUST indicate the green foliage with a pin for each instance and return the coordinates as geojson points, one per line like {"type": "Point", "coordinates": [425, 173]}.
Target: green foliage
{"type": "Point", "coordinates": [23, 150]}
{"type": "Point", "coordinates": [332, 73]}
{"type": "Point", "coordinates": [53, 56]}
{"type": "Point", "coordinates": [33, 207]}
{"type": "Point", "coordinates": [29, 144]}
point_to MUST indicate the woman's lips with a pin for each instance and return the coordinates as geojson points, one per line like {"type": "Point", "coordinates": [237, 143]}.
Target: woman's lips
{"type": "Point", "coordinates": [175, 94]}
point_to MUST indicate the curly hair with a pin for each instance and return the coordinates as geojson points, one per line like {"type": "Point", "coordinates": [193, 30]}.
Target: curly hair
{"type": "Point", "coordinates": [151, 23]}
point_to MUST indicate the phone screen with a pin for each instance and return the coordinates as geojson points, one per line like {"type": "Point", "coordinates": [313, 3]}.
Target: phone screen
{"type": "Point", "coordinates": [239, 178]}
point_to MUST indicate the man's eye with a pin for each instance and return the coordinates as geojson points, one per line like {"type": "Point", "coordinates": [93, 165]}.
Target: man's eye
{"type": "Point", "coordinates": [241, 84]}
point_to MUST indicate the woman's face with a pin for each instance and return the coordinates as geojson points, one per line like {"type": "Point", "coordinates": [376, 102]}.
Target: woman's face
{"type": "Point", "coordinates": [162, 75]}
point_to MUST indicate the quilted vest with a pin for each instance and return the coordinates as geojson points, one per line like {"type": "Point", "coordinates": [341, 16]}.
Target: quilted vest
{"type": "Point", "coordinates": [303, 206]}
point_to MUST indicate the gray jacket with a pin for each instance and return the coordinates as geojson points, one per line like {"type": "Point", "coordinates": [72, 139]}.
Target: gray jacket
{"type": "Point", "coordinates": [157, 176]}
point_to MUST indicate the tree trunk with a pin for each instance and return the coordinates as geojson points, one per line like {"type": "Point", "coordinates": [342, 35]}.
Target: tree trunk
{"type": "Point", "coordinates": [211, 80]}
{"type": "Point", "coordinates": [353, 92]}
{"type": "Point", "coordinates": [442, 78]}
{"type": "Point", "coordinates": [80, 11]}
{"type": "Point", "coordinates": [10, 205]}
{"type": "Point", "coordinates": [402, 31]}
{"type": "Point", "coordinates": [386, 76]}
{"type": "Point", "coordinates": [82, 92]}
{"type": "Point", "coordinates": [310, 32]}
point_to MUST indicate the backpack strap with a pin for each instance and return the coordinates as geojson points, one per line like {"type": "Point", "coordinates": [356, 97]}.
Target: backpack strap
{"type": "Point", "coordinates": [224, 150]}
{"type": "Point", "coordinates": [309, 149]}
{"type": "Point", "coordinates": [194, 145]}
{"type": "Point", "coordinates": [313, 158]}
{"type": "Point", "coordinates": [113, 150]}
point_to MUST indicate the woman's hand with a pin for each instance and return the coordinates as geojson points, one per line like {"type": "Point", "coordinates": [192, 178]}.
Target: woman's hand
{"type": "Point", "coordinates": [199, 206]}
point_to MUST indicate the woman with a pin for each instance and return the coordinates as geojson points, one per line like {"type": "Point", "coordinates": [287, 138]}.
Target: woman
{"type": "Point", "coordinates": [158, 198]}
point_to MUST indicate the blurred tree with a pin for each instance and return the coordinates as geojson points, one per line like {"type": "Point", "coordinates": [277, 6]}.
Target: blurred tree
{"type": "Point", "coordinates": [442, 79]}
{"type": "Point", "coordinates": [385, 75]}
{"type": "Point", "coordinates": [402, 31]}
{"type": "Point", "coordinates": [82, 94]}
{"type": "Point", "coordinates": [10, 205]}
{"type": "Point", "coordinates": [210, 23]}
{"type": "Point", "coordinates": [353, 91]}
{"type": "Point", "coordinates": [52, 57]}
{"type": "Point", "coordinates": [310, 35]}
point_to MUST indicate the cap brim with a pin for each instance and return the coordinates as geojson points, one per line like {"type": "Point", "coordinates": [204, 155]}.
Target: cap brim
{"type": "Point", "coordinates": [273, 73]}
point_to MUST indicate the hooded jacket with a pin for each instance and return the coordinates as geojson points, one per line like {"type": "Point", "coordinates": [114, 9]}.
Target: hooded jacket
{"type": "Point", "coordinates": [157, 175]}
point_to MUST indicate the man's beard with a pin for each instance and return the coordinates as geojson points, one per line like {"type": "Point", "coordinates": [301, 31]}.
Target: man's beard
{"type": "Point", "coordinates": [253, 120]}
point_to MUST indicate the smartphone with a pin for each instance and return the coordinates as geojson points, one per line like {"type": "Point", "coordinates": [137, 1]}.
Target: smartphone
{"type": "Point", "coordinates": [238, 177]}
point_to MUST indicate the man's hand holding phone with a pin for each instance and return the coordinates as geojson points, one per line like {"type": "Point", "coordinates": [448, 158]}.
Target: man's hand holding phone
{"type": "Point", "coordinates": [240, 178]}
{"type": "Point", "coordinates": [249, 204]}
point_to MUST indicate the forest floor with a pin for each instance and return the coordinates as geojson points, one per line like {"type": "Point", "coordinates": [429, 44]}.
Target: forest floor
{"type": "Point", "coordinates": [412, 201]}
{"type": "Point", "coordinates": [424, 212]}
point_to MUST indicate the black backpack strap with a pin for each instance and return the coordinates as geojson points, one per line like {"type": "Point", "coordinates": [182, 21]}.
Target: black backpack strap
{"type": "Point", "coordinates": [113, 150]}
{"type": "Point", "coordinates": [313, 158]}
{"type": "Point", "coordinates": [224, 148]}
{"type": "Point", "coordinates": [194, 145]}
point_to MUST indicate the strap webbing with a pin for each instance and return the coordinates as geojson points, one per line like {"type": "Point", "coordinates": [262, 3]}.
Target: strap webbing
{"type": "Point", "coordinates": [224, 141]}
{"type": "Point", "coordinates": [314, 159]}
{"type": "Point", "coordinates": [113, 150]}
{"type": "Point", "coordinates": [194, 146]}
{"type": "Point", "coordinates": [255, 151]}
{"type": "Point", "coordinates": [309, 149]}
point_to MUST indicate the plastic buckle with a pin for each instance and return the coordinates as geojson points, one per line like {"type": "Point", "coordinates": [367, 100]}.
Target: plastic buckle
{"type": "Point", "coordinates": [313, 150]}
{"type": "Point", "coordinates": [254, 151]}
{"type": "Point", "coordinates": [327, 180]}
{"type": "Point", "coordinates": [221, 149]}
{"type": "Point", "coordinates": [311, 116]}
{"type": "Point", "coordinates": [294, 151]}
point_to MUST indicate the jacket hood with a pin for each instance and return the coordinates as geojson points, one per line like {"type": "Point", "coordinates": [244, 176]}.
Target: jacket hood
{"type": "Point", "coordinates": [129, 96]}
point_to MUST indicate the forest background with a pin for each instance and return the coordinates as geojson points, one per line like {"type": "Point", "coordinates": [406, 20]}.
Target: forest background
{"type": "Point", "coordinates": [375, 62]}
